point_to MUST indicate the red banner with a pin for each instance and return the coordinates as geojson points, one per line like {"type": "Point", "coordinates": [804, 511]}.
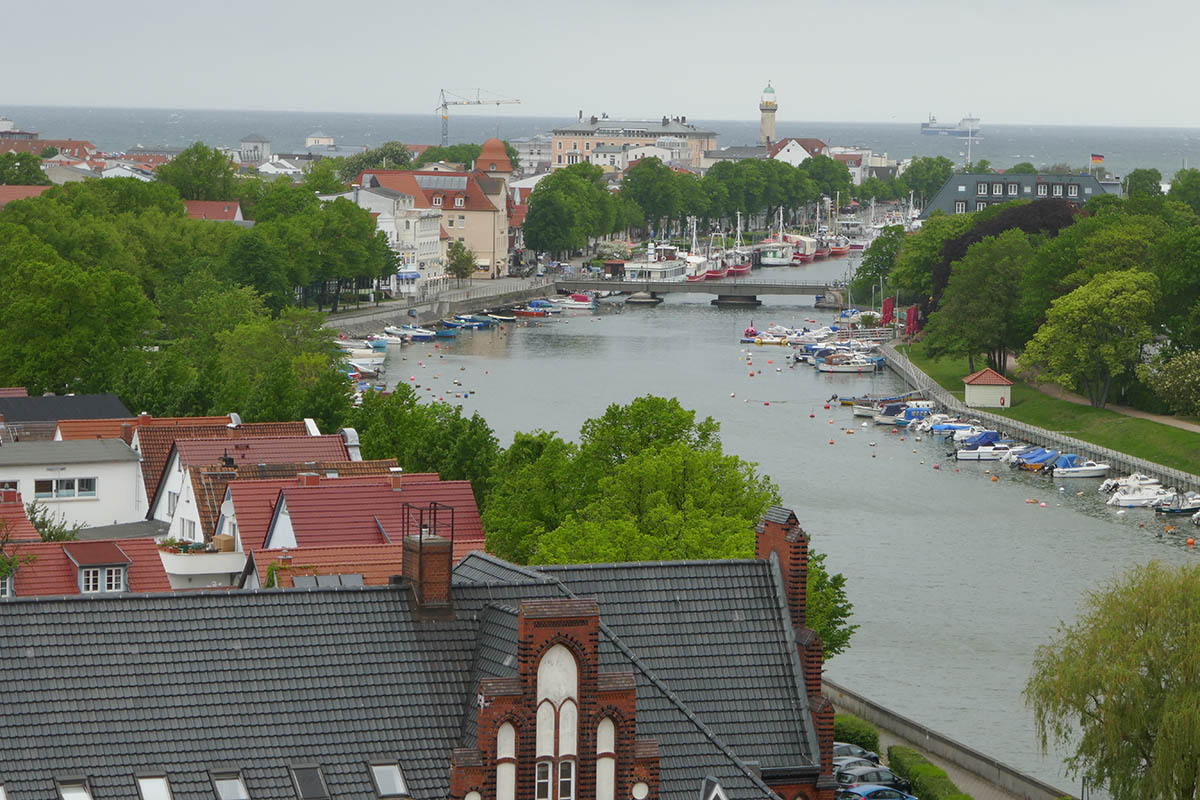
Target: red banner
{"type": "Point", "coordinates": [910, 321]}
{"type": "Point", "coordinates": [889, 306]}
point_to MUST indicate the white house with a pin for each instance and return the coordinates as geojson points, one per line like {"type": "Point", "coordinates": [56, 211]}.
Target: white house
{"type": "Point", "coordinates": [796, 151]}
{"type": "Point", "coordinates": [987, 388]}
{"type": "Point", "coordinates": [85, 481]}
{"type": "Point", "coordinates": [281, 166]}
{"type": "Point", "coordinates": [122, 169]}
{"type": "Point", "coordinates": [413, 232]}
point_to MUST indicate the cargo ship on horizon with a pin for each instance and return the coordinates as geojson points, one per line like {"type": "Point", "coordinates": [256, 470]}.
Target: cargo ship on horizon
{"type": "Point", "coordinates": [967, 127]}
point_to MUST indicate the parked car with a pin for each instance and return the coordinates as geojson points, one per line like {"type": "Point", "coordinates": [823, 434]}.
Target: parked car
{"type": "Point", "coordinates": [847, 749]}
{"type": "Point", "coordinates": [858, 776]}
{"type": "Point", "coordinates": [846, 762]}
{"type": "Point", "coordinates": [872, 791]}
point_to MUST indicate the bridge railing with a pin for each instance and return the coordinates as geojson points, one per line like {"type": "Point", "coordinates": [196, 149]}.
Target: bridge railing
{"type": "Point", "coordinates": [603, 282]}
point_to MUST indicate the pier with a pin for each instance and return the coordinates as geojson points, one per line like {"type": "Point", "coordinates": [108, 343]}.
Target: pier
{"type": "Point", "coordinates": [728, 291]}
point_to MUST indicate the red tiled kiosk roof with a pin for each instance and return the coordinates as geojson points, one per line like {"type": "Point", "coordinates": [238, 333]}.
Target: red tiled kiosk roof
{"type": "Point", "coordinates": [54, 569]}
{"type": "Point", "coordinates": [377, 563]}
{"type": "Point", "coordinates": [10, 193]}
{"type": "Point", "coordinates": [220, 210]}
{"type": "Point", "coordinates": [986, 377]}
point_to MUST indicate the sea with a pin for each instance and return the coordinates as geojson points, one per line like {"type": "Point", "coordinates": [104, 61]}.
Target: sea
{"type": "Point", "coordinates": [118, 129]}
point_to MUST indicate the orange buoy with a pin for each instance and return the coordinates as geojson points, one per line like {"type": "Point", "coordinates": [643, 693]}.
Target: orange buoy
{"type": "Point", "coordinates": [994, 479]}
{"type": "Point", "coordinates": [827, 405]}
{"type": "Point", "coordinates": [1191, 542]}
{"type": "Point", "coordinates": [831, 441]}
{"type": "Point", "coordinates": [810, 416]}
{"type": "Point", "coordinates": [766, 402]}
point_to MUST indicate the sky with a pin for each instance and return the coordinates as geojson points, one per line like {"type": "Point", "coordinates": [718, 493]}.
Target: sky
{"type": "Point", "coordinates": [1092, 62]}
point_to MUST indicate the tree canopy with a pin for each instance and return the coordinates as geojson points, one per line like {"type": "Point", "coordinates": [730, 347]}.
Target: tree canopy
{"type": "Point", "coordinates": [568, 207]}
{"type": "Point", "coordinates": [1120, 686]}
{"type": "Point", "coordinates": [199, 173]}
{"type": "Point", "coordinates": [389, 155]}
{"type": "Point", "coordinates": [22, 169]}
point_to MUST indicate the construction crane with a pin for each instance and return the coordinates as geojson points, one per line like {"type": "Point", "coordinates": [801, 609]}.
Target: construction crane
{"type": "Point", "coordinates": [453, 99]}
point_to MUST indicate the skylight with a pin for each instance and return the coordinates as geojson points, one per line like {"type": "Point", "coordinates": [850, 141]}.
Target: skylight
{"type": "Point", "coordinates": [389, 781]}
{"type": "Point", "coordinates": [230, 786]}
{"type": "Point", "coordinates": [309, 783]}
{"type": "Point", "coordinates": [75, 791]}
{"type": "Point", "coordinates": [155, 788]}
{"type": "Point", "coordinates": [3, 796]}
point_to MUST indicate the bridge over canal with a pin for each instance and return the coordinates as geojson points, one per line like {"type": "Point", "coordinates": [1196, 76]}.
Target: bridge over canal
{"type": "Point", "coordinates": [728, 291]}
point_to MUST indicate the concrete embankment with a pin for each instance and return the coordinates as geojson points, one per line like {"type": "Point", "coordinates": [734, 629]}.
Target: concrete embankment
{"type": "Point", "coordinates": [977, 774]}
{"type": "Point", "coordinates": [360, 323]}
{"type": "Point", "coordinates": [1122, 463]}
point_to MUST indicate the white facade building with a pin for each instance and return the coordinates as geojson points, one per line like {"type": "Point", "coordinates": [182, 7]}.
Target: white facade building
{"type": "Point", "coordinates": [85, 482]}
{"type": "Point", "coordinates": [533, 152]}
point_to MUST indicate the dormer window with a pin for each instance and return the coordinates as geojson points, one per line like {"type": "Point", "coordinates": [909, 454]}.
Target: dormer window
{"type": "Point", "coordinates": [310, 784]}
{"type": "Point", "coordinates": [458, 202]}
{"type": "Point", "coordinates": [154, 788]}
{"type": "Point", "coordinates": [6, 591]}
{"type": "Point", "coordinates": [74, 789]}
{"type": "Point", "coordinates": [437, 200]}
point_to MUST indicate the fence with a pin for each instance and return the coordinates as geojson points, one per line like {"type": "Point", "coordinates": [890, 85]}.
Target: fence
{"type": "Point", "coordinates": [1121, 462]}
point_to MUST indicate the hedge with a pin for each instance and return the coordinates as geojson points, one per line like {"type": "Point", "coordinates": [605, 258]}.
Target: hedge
{"type": "Point", "coordinates": [929, 781]}
{"type": "Point", "coordinates": [851, 729]}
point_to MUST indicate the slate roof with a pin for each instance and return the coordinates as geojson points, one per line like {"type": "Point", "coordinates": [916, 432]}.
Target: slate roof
{"type": "Point", "coordinates": [54, 572]}
{"type": "Point", "coordinates": [337, 677]}
{"type": "Point", "coordinates": [81, 451]}
{"type": "Point", "coordinates": [154, 442]}
{"type": "Point", "coordinates": [47, 408]}
{"type": "Point", "coordinates": [210, 481]}
{"type": "Point", "coordinates": [965, 186]}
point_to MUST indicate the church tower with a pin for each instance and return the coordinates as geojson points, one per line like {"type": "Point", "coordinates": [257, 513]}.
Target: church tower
{"type": "Point", "coordinates": [766, 128]}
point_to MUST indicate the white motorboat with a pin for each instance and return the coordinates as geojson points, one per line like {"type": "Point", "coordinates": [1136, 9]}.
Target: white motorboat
{"type": "Point", "coordinates": [865, 410]}
{"type": "Point", "coordinates": [1072, 466]}
{"type": "Point", "coordinates": [1141, 496]}
{"type": "Point", "coordinates": [984, 452]}
{"type": "Point", "coordinates": [848, 362]}
{"type": "Point", "coordinates": [1136, 479]}
{"type": "Point", "coordinates": [962, 434]}
{"type": "Point", "coordinates": [1196, 518]}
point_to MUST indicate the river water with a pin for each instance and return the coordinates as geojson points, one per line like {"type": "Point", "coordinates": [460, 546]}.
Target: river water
{"type": "Point", "coordinates": [955, 578]}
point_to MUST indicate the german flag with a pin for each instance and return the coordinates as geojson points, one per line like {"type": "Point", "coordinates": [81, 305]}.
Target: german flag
{"type": "Point", "coordinates": [1097, 158]}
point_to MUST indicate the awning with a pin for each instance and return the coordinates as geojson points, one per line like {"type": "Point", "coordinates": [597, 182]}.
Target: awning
{"type": "Point", "coordinates": [408, 276]}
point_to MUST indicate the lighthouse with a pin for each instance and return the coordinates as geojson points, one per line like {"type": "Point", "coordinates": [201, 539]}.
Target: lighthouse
{"type": "Point", "coordinates": [768, 107]}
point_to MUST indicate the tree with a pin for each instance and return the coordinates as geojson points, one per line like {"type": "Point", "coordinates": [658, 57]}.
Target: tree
{"type": "Point", "coordinates": [464, 153]}
{"type": "Point", "coordinates": [22, 169]}
{"type": "Point", "coordinates": [51, 526]}
{"type": "Point", "coordinates": [460, 261]}
{"type": "Point", "coordinates": [429, 437]}
{"type": "Point", "coordinates": [1022, 168]}
{"type": "Point", "coordinates": [322, 178]}
{"type": "Point", "coordinates": [567, 208]}
{"type": "Point", "coordinates": [1177, 381]}
{"type": "Point", "coordinates": [925, 176]}
{"type": "Point", "coordinates": [349, 247]}
{"type": "Point", "coordinates": [48, 152]}
{"type": "Point", "coordinates": [1119, 687]}
{"type": "Point", "coordinates": [652, 185]}
{"type": "Point", "coordinates": [920, 253]}
{"type": "Point", "coordinates": [831, 176]}
{"type": "Point", "coordinates": [1095, 333]}
{"type": "Point", "coordinates": [1185, 187]}
{"type": "Point", "coordinates": [199, 173]}
{"type": "Point", "coordinates": [878, 261]}
{"type": "Point", "coordinates": [389, 155]}
{"type": "Point", "coordinates": [978, 312]}
{"type": "Point", "coordinates": [1143, 183]}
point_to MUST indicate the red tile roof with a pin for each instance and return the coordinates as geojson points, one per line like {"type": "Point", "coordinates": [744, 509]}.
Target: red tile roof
{"type": "Point", "coordinates": [405, 182]}
{"type": "Point", "coordinates": [517, 218]}
{"type": "Point", "coordinates": [155, 442]}
{"type": "Point", "coordinates": [849, 159]}
{"type": "Point", "coordinates": [13, 391]}
{"type": "Point", "coordinates": [210, 482]}
{"type": "Point", "coordinates": [986, 377]}
{"type": "Point", "coordinates": [812, 146]}
{"type": "Point", "coordinates": [77, 148]}
{"type": "Point", "coordinates": [262, 450]}
{"type": "Point", "coordinates": [52, 572]}
{"type": "Point", "coordinates": [377, 563]}
{"type": "Point", "coordinates": [493, 157]}
{"type": "Point", "coordinates": [254, 504]}
{"type": "Point", "coordinates": [14, 522]}
{"type": "Point", "coordinates": [221, 210]}
{"type": "Point", "coordinates": [113, 428]}
{"type": "Point", "coordinates": [362, 510]}
{"type": "Point", "coordinates": [10, 193]}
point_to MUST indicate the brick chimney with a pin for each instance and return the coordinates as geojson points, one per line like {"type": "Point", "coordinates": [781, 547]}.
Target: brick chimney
{"type": "Point", "coordinates": [396, 478]}
{"type": "Point", "coordinates": [9, 496]}
{"type": "Point", "coordinates": [428, 560]}
{"type": "Point", "coordinates": [126, 433]}
{"type": "Point", "coordinates": [779, 532]}
{"type": "Point", "coordinates": [309, 479]}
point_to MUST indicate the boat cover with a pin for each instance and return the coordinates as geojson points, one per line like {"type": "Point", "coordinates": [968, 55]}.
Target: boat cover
{"type": "Point", "coordinates": [1029, 456]}
{"type": "Point", "coordinates": [987, 437]}
{"type": "Point", "coordinates": [1068, 460]}
{"type": "Point", "coordinates": [539, 302]}
{"type": "Point", "coordinates": [1046, 455]}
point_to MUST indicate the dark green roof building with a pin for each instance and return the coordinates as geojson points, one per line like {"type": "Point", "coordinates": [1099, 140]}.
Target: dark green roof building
{"type": "Point", "coordinates": [967, 191]}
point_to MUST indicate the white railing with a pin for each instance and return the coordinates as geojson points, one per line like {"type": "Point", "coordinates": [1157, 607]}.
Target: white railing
{"type": "Point", "coordinates": [917, 379]}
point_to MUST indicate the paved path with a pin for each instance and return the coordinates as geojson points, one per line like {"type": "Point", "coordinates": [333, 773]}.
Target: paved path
{"type": "Point", "coordinates": [968, 782]}
{"type": "Point", "coordinates": [1055, 390]}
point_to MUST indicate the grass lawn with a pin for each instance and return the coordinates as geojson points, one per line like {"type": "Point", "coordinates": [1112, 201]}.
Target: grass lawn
{"type": "Point", "coordinates": [1143, 438]}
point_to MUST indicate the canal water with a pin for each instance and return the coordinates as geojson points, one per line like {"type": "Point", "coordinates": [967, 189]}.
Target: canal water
{"type": "Point", "coordinates": [955, 578]}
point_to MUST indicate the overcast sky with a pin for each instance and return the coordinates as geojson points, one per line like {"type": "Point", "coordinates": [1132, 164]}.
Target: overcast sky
{"type": "Point", "coordinates": [1007, 61]}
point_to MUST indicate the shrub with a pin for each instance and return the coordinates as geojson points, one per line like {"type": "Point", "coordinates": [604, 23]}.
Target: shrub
{"type": "Point", "coordinates": [929, 781]}
{"type": "Point", "coordinates": [851, 729]}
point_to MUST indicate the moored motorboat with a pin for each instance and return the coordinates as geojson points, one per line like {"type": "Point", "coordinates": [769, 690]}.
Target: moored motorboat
{"type": "Point", "coordinates": [1187, 503]}
{"type": "Point", "coordinates": [531, 312]}
{"type": "Point", "coordinates": [1141, 496]}
{"type": "Point", "coordinates": [983, 452]}
{"type": "Point", "coordinates": [846, 362]}
{"type": "Point", "coordinates": [1136, 479]}
{"type": "Point", "coordinates": [502, 317]}
{"type": "Point", "coordinates": [1069, 465]}
{"type": "Point", "coordinates": [580, 301]}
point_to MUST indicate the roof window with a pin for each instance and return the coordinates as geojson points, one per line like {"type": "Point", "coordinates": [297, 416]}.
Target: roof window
{"type": "Point", "coordinates": [229, 786]}
{"type": "Point", "coordinates": [3, 796]}
{"type": "Point", "coordinates": [310, 785]}
{"type": "Point", "coordinates": [389, 780]}
{"type": "Point", "coordinates": [74, 789]}
{"type": "Point", "coordinates": [154, 787]}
